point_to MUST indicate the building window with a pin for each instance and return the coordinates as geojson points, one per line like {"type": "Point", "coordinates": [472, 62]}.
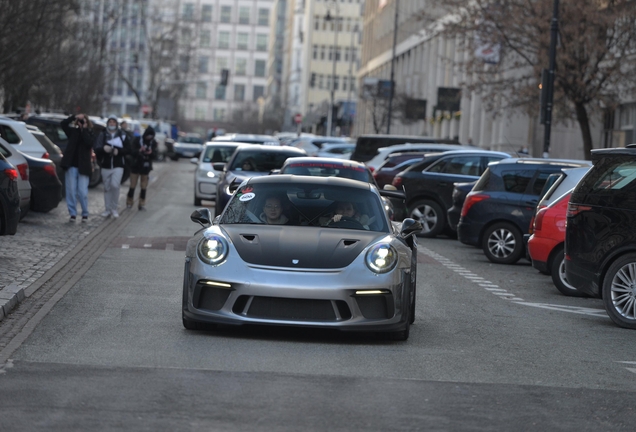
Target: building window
{"type": "Point", "coordinates": [219, 114]}
{"type": "Point", "coordinates": [261, 42]}
{"type": "Point", "coordinates": [321, 81]}
{"type": "Point", "coordinates": [202, 90]}
{"type": "Point", "coordinates": [221, 63]}
{"type": "Point", "coordinates": [203, 64]}
{"type": "Point", "coordinates": [336, 79]}
{"type": "Point", "coordinates": [206, 13]}
{"type": "Point", "coordinates": [263, 17]}
{"type": "Point", "coordinates": [186, 36]}
{"type": "Point", "coordinates": [199, 113]}
{"type": "Point", "coordinates": [219, 93]}
{"type": "Point", "coordinates": [224, 39]}
{"type": "Point", "coordinates": [244, 15]}
{"type": "Point", "coordinates": [259, 68]}
{"type": "Point", "coordinates": [258, 92]}
{"type": "Point", "coordinates": [226, 14]}
{"type": "Point", "coordinates": [240, 68]}
{"type": "Point", "coordinates": [242, 41]}
{"type": "Point", "coordinates": [188, 11]}
{"type": "Point", "coordinates": [184, 63]}
{"type": "Point", "coordinates": [315, 52]}
{"type": "Point", "coordinates": [205, 39]}
{"type": "Point", "coordinates": [316, 22]}
{"type": "Point", "coordinates": [239, 92]}
{"type": "Point", "coordinates": [322, 52]}
{"type": "Point", "coordinates": [312, 80]}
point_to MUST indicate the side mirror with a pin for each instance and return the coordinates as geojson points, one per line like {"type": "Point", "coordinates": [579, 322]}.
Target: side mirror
{"type": "Point", "coordinates": [274, 171]}
{"type": "Point", "coordinates": [410, 227]}
{"type": "Point", "coordinates": [389, 187]}
{"type": "Point", "coordinates": [194, 161]}
{"type": "Point", "coordinates": [201, 216]}
{"type": "Point", "coordinates": [218, 166]}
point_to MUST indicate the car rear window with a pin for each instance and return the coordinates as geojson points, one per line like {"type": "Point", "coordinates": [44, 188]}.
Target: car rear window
{"type": "Point", "coordinates": [321, 169]}
{"type": "Point", "coordinates": [516, 181]}
{"type": "Point", "coordinates": [218, 154]}
{"type": "Point", "coordinates": [260, 160]}
{"type": "Point", "coordinates": [620, 175]}
{"type": "Point", "coordinates": [9, 135]}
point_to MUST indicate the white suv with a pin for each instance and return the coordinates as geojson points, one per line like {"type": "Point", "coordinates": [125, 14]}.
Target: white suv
{"type": "Point", "coordinates": [17, 134]}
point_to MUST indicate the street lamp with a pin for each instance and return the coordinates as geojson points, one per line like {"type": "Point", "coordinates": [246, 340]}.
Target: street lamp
{"type": "Point", "coordinates": [328, 17]}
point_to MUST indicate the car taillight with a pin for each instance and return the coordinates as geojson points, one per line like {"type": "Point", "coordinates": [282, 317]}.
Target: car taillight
{"type": "Point", "coordinates": [50, 170]}
{"type": "Point", "coordinates": [397, 181]}
{"type": "Point", "coordinates": [372, 169]}
{"type": "Point", "coordinates": [471, 200]}
{"type": "Point", "coordinates": [46, 155]}
{"type": "Point", "coordinates": [538, 219]}
{"type": "Point", "coordinates": [574, 209]}
{"type": "Point", "coordinates": [12, 173]}
{"type": "Point", "coordinates": [23, 169]}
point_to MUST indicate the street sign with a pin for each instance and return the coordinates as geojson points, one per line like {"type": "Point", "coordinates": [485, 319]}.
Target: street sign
{"type": "Point", "coordinates": [298, 118]}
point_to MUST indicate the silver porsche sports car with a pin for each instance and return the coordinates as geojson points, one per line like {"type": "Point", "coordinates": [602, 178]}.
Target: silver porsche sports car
{"type": "Point", "coordinates": [302, 251]}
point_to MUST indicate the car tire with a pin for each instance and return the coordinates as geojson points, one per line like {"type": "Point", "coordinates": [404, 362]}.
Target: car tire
{"type": "Point", "coordinates": [197, 201]}
{"type": "Point", "coordinates": [503, 243]}
{"type": "Point", "coordinates": [96, 177]}
{"type": "Point", "coordinates": [430, 214]}
{"type": "Point", "coordinates": [557, 271]}
{"type": "Point", "coordinates": [619, 291]}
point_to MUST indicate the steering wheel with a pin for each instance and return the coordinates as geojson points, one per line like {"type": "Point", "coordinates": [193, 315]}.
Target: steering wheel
{"type": "Point", "coordinates": [346, 222]}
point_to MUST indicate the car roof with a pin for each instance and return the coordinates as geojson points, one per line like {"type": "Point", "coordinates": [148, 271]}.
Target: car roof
{"type": "Point", "coordinates": [618, 151]}
{"type": "Point", "coordinates": [321, 160]}
{"type": "Point", "coordinates": [299, 180]}
{"type": "Point", "coordinates": [406, 146]}
{"type": "Point", "coordinates": [224, 144]}
{"type": "Point", "coordinates": [282, 149]}
{"type": "Point", "coordinates": [474, 151]}
{"type": "Point", "coordinates": [540, 161]}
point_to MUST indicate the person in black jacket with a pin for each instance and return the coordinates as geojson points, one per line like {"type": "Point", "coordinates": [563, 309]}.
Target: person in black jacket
{"type": "Point", "coordinates": [111, 148]}
{"type": "Point", "coordinates": [76, 161]}
{"type": "Point", "coordinates": [143, 149]}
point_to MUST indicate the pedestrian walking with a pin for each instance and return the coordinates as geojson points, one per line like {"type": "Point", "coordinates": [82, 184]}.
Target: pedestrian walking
{"type": "Point", "coordinates": [143, 150]}
{"type": "Point", "coordinates": [111, 148]}
{"type": "Point", "coordinates": [76, 163]}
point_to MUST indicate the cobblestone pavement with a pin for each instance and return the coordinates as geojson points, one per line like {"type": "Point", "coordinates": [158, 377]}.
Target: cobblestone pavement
{"type": "Point", "coordinates": [43, 239]}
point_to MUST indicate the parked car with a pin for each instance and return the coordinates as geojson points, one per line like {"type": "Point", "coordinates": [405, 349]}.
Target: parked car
{"type": "Point", "coordinates": [428, 184]}
{"type": "Point", "coordinates": [497, 212]}
{"type": "Point", "coordinates": [600, 239]}
{"type": "Point", "coordinates": [17, 134]}
{"type": "Point", "coordinates": [249, 161]}
{"type": "Point", "coordinates": [336, 150]}
{"type": "Point", "coordinates": [385, 152]}
{"type": "Point", "coordinates": [55, 154]}
{"type": "Point", "coordinates": [209, 168]}
{"type": "Point", "coordinates": [395, 164]}
{"type": "Point", "coordinates": [46, 187]}
{"type": "Point", "coordinates": [460, 190]}
{"type": "Point", "coordinates": [187, 146]}
{"type": "Point", "coordinates": [50, 125]}
{"type": "Point", "coordinates": [367, 146]}
{"type": "Point", "coordinates": [19, 162]}
{"type": "Point", "coordinates": [9, 197]}
{"type": "Point", "coordinates": [312, 145]}
{"type": "Point", "coordinates": [248, 139]}
{"type": "Point", "coordinates": [243, 270]}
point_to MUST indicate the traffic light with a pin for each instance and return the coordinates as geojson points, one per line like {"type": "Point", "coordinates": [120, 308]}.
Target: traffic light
{"type": "Point", "coordinates": [225, 76]}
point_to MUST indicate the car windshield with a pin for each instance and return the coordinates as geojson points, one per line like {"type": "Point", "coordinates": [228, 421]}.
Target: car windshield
{"type": "Point", "coordinates": [218, 153]}
{"type": "Point", "coordinates": [310, 205]}
{"type": "Point", "coordinates": [259, 160]}
{"type": "Point", "coordinates": [325, 169]}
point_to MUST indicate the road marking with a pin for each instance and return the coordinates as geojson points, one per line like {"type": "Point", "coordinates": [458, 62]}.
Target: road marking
{"type": "Point", "coordinates": [147, 245]}
{"type": "Point", "coordinates": [503, 293]}
{"type": "Point", "coordinates": [632, 370]}
{"type": "Point", "coordinates": [125, 246]}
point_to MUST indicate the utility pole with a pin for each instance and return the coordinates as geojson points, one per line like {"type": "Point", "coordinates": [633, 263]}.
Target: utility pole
{"type": "Point", "coordinates": [554, 34]}
{"type": "Point", "coordinates": [392, 91]}
{"type": "Point", "coordinates": [354, 33]}
{"type": "Point", "coordinates": [333, 72]}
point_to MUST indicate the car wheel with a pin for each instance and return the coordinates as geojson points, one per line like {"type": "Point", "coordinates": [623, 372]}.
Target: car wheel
{"type": "Point", "coordinates": [557, 271]}
{"type": "Point", "coordinates": [96, 177]}
{"type": "Point", "coordinates": [430, 214]}
{"type": "Point", "coordinates": [503, 243]}
{"type": "Point", "coordinates": [197, 201]}
{"type": "Point", "coordinates": [619, 291]}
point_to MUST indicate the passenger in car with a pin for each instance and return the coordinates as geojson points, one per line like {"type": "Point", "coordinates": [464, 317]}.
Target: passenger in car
{"type": "Point", "coordinates": [273, 212]}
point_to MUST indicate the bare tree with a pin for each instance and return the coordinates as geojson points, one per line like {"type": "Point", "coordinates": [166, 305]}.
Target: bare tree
{"type": "Point", "coordinates": [594, 56]}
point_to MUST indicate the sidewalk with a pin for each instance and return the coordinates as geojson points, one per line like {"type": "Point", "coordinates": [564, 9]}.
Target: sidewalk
{"type": "Point", "coordinates": [43, 239]}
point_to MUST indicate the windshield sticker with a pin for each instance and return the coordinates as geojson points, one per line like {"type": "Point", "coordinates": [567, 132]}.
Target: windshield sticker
{"type": "Point", "coordinates": [247, 197]}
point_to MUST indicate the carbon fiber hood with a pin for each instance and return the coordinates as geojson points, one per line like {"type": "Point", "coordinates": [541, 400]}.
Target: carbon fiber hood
{"type": "Point", "coordinates": [302, 247]}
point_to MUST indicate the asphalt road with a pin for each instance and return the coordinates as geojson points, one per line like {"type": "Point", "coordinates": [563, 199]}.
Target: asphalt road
{"type": "Point", "coordinates": [492, 348]}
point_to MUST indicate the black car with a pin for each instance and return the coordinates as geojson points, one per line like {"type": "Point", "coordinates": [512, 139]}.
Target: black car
{"type": "Point", "coordinates": [497, 212]}
{"type": "Point", "coordinates": [600, 238]}
{"type": "Point", "coordinates": [9, 197]}
{"type": "Point", "coordinates": [429, 184]}
{"type": "Point", "coordinates": [395, 164]}
{"type": "Point", "coordinates": [460, 190]}
{"type": "Point", "coordinates": [367, 145]}
{"type": "Point", "coordinates": [46, 187]}
{"type": "Point", "coordinates": [248, 161]}
{"type": "Point", "coordinates": [51, 126]}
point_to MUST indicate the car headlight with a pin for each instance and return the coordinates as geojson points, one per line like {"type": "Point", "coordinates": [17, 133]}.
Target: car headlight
{"type": "Point", "coordinates": [206, 173]}
{"type": "Point", "coordinates": [213, 249]}
{"type": "Point", "coordinates": [381, 258]}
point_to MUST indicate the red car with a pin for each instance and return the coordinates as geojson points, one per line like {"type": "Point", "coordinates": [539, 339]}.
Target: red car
{"type": "Point", "coordinates": [546, 244]}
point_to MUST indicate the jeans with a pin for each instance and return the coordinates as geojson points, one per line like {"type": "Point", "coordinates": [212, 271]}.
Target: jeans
{"type": "Point", "coordinates": [112, 182]}
{"type": "Point", "coordinates": [76, 187]}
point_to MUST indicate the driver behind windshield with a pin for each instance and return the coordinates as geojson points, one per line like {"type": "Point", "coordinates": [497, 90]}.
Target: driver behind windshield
{"type": "Point", "coordinates": [346, 209]}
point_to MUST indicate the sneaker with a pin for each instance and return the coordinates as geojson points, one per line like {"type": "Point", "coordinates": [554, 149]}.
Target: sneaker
{"type": "Point", "coordinates": [115, 214]}
{"type": "Point", "coordinates": [105, 214]}
{"type": "Point", "coordinates": [72, 219]}
{"type": "Point", "coordinates": [84, 219]}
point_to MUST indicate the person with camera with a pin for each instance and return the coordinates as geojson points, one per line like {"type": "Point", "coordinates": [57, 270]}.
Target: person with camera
{"type": "Point", "coordinates": [111, 148]}
{"type": "Point", "coordinates": [76, 163]}
{"type": "Point", "coordinates": [143, 150]}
